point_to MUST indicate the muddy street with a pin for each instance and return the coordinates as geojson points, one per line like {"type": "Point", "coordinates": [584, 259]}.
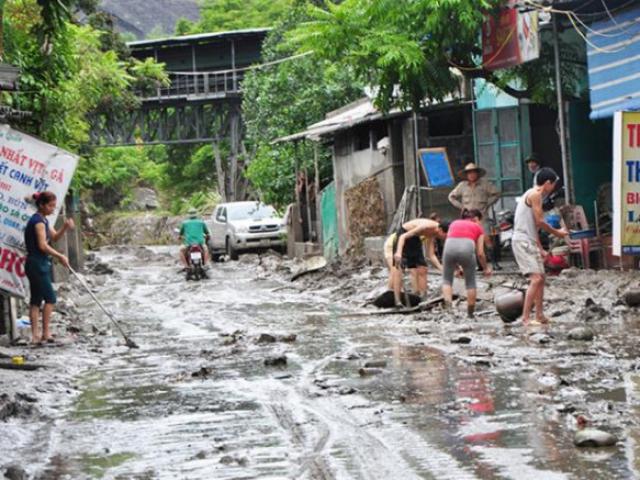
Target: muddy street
{"type": "Point", "coordinates": [248, 375]}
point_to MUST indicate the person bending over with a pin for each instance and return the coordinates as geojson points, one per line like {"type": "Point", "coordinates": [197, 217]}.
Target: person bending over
{"type": "Point", "coordinates": [465, 241]}
{"type": "Point", "coordinates": [409, 253]}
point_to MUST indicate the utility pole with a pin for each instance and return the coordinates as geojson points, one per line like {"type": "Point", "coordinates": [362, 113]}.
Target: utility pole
{"type": "Point", "coordinates": [568, 184]}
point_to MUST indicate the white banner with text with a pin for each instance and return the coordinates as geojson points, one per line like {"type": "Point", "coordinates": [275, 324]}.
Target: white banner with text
{"type": "Point", "coordinates": [27, 166]}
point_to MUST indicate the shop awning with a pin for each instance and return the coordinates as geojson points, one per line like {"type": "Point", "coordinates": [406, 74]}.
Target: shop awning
{"type": "Point", "coordinates": [613, 54]}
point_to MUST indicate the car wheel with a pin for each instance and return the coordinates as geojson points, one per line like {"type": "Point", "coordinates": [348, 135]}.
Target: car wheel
{"type": "Point", "coordinates": [232, 253]}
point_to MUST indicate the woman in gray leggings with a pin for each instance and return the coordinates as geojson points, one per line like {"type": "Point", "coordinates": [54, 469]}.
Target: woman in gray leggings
{"type": "Point", "coordinates": [465, 241]}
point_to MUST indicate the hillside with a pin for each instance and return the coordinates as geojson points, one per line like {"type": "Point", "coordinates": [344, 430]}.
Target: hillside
{"type": "Point", "coordinates": [142, 17]}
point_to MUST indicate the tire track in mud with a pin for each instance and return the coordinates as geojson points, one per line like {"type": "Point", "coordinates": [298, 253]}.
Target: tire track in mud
{"type": "Point", "coordinates": [375, 455]}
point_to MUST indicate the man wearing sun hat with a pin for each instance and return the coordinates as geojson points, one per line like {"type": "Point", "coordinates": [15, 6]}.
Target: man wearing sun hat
{"type": "Point", "coordinates": [476, 192]}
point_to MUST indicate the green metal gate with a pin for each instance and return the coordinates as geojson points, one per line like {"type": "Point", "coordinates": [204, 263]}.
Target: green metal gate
{"type": "Point", "coordinates": [329, 217]}
{"type": "Point", "coordinates": [501, 136]}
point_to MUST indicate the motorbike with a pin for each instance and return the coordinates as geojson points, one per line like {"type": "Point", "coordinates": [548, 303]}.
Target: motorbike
{"type": "Point", "coordinates": [195, 261]}
{"type": "Point", "coordinates": [503, 228]}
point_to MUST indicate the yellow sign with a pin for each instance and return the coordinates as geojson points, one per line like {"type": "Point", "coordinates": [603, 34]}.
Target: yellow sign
{"type": "Point", "coordinates": [626, 178]}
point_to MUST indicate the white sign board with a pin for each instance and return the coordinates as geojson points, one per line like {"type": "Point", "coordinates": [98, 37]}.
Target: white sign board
{"type": "Point", "coordinates": [27, 165]}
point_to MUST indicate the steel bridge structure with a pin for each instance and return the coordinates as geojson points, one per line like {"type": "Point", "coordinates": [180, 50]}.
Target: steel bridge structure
{"type": "Point", "coordinates": [202, 101]}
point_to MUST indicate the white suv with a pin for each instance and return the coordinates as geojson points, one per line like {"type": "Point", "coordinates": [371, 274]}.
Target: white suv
{"type": "Point", "coordinates": [245, 226]}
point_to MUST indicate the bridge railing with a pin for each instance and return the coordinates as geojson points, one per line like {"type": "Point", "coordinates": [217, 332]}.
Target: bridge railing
{"type": "Point", "coordinates": [204, 84]}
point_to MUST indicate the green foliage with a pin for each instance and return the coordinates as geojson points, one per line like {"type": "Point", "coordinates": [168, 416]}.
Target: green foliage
{"type": "Point", "coordinates": [113, 168]}
{"type": "Point", "coordinates": [391, 44]}
{"type": "Point", "coordinates": [223, 15]}
{"type": "Point", "coordinates": [77, 71]}
{"type": "Point", "coordinates": [184, 26]}
{"type": "Point", "coordinates": [204, 201]}
{"type": "Point", "coordinates": [284, 99]}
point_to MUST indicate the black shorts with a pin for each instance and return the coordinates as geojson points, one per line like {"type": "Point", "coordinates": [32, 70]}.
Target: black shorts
{"type": "Point", "coordinates": [412, 252]}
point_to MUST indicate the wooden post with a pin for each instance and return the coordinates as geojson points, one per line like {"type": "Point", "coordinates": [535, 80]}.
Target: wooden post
{"type": "Point", "coordinates": [298, 216]}
{"type": "Point", "coordinates": [317, 190]}
{"type": "Point", "coordinates": [233, 65]}
{"type": "Point", "coordinates": [307, 198]}
{"type": "Point", "coordinates": [234, 134]}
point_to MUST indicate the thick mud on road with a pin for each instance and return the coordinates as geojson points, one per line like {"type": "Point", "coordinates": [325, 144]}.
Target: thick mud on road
{"type": "Point", "coordinates": [245, 376]}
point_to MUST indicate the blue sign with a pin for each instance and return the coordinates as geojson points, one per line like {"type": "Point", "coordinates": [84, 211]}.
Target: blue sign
{"type": "Point", "coordinates": [435, 165]}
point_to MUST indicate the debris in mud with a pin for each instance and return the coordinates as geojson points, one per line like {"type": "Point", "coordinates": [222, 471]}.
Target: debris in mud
{"type": "Point", "coordinates": [540, 338]}
{"type": "Point", "coordinates": [66, 307]}
{"type": "Point", "coordinates": [203, 372]}
{"type": "Point", "coordinates": [461, 339]}
{"type": "Point", "coordinates": [276, 361]}
{"type": "Point", "coordinates": [201, 455]}
{"type": "Point", "coordinates": [368, 372]}
{"type": "Point", "coordinates": [581, 333]}
{"type": "Point", "coordinates": [423, 331]}
{"type": "Point", "coordinates": [565, 408]}
{"type": "Point", "coordinates": [592, 437]}
{"type": "Point", "coordinates": [229, 460]}
{"type": "Point", "coordinates": [15, 472]}
{"type": "Point", "coordinates": [387, 300]}
{"type": "Point", "coordinates": [632, 298]}
{"type": "Point", "coordinates": [231, 338]}
{"type": "Point", "coordinates": [265, 338]}
{"type": "Point", "coordinates": [592, 311]}
{"type": "Point", "coordinates": [375, 364]}
{"type": "Point", "coordinates": [20, 406]}
{"type": "Point", "coordinates": [347, 390]}
{"type": "Point", "coordinates": [547, 383]}
{"type": "Point", "coordinates": [100, 268]}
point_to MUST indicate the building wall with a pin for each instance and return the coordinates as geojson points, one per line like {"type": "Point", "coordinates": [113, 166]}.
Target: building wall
{"type": "Point", "coordinates": [590, 143]}
{"type": "Point", "coordinates": [351, 167]}
{"type": "Point", "coordinates": [452, 129]}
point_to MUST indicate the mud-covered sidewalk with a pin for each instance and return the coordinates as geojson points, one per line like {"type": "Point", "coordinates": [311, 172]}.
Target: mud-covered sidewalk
{"type": "Point", "coordinates": [250, 375]}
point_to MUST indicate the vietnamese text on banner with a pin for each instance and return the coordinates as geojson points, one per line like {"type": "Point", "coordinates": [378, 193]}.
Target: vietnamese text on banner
{"type": "Point", "coordinates": [27, 165]}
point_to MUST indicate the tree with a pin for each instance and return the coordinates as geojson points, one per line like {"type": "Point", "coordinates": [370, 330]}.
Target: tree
{"type": "Point", "coordinates": [410, 51]}
{"type": "Point", "coordinates": [222, 15]}
{"type": "Point", "coordinates": [84, 70]}
{"type": "Point", "coordinates": [283, 99]}
{"type": "Point", "coordinates": [404, 49]}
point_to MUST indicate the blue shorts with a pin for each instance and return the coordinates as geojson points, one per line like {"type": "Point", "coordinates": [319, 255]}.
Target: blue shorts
{"type": "Point", "coordinates": [38, 270]}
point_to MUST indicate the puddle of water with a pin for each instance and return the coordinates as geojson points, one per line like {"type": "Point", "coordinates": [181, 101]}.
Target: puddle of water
{"type": "Point", "coordinates": [97, 466]}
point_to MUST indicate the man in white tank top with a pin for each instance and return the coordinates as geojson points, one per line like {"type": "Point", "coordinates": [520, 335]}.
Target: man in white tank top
{"type": "Point", "coordinates": [527, 249]}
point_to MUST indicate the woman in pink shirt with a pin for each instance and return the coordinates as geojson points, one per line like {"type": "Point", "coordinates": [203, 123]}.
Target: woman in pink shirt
{"type": "Point", "coordinates": [465, 241]}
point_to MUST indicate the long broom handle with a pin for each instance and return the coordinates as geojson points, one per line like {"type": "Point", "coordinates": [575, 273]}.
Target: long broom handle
{"type": "Point", "coordinates": [98, 301]}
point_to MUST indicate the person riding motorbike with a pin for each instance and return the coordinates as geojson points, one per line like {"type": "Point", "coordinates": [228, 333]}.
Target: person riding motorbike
{"type": "Point", "coordinates": [193, 231]}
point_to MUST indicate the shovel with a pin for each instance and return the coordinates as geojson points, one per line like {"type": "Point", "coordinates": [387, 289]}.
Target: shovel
{"type": "Point", "coordinates": [130, 343]}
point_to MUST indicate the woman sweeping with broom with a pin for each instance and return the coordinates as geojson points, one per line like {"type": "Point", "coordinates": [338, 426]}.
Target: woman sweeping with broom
{"type": "Point", "coordinates": [38, 235]}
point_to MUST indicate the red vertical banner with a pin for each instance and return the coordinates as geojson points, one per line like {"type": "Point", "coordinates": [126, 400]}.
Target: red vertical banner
{"type": "Point", "coordinates": [509, 38]}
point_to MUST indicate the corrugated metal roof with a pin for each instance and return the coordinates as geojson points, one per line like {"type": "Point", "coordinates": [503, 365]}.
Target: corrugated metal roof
{"type": "Point", "coordinates": [198, 38]}
{"type": "Point", "coordinates": [359, 112]}
{"type": "Point", "coordinates": [614, 63]}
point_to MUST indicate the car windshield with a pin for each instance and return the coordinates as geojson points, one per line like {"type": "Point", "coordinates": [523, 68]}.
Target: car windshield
{"type": "Point", "coordinates": [253, 211]}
